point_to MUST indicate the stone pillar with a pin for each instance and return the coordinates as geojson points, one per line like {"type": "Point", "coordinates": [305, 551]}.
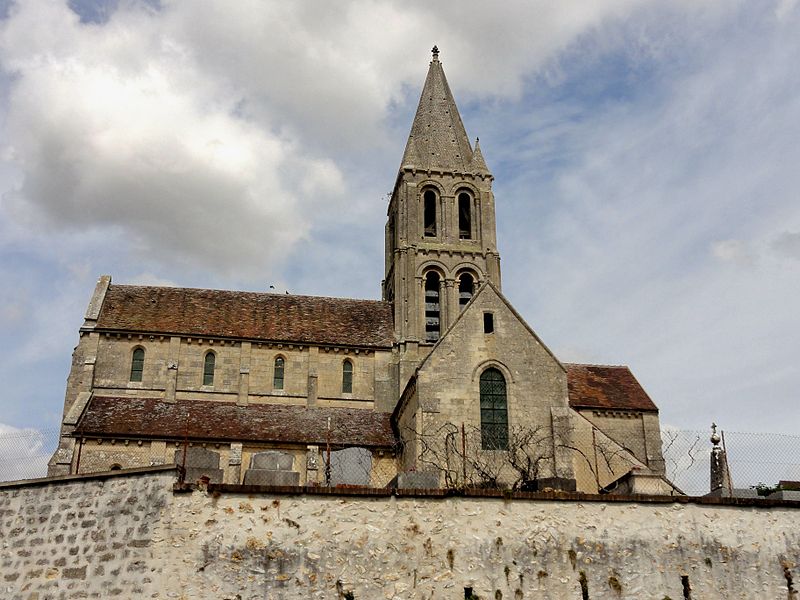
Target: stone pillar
{"type": "Point", "coordinates": [235, 463]}
{"type": "Point", "coordinates": [244, 374]}
{"type": "Point", "coordinates": [312, 376]}
{"type": "Point", "coordinates": [452, 301]}
{"type": "Point", "coordinates": [312, 389]}
{"type": "Point", "coordinates": [720, 474]}
{"type": "Point", "coordinates": [444, 317]}
{"type": "Point", "coordinates": [172, 368]}
{"type": "Point", "coordinates": [312, 465]}
{"type": "Point", "coordinates": [417, 310]}
{"type": "Point", "coordinates": [563, 476]}
{"type": "Point", "coordinates": [447, 220]}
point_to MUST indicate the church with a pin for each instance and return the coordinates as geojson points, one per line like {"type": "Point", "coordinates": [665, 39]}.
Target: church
{"type": "Point", "coordinates": [441, 383]}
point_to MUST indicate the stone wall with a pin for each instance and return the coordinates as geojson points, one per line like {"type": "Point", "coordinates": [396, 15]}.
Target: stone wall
{"type": "Point", "coordinates": [244, 373]}
{"type": "Point", "coordinates": [636, 431]}
{"type": "Point", "coordinates": [244, 370]}
{"type": "Point", "coordinates": [129, 536]}
{"type": "Point", "coordinates": [448, 382]}
{"type": "Point", "coordinates": [82, 538]}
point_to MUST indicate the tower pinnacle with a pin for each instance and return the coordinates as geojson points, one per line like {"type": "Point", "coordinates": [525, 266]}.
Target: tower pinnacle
{"type": "Point", "coordinates": [435, 52]}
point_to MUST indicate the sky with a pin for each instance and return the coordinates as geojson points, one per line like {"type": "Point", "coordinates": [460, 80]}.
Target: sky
{"type": "Point", "coordinates": [645, 154]}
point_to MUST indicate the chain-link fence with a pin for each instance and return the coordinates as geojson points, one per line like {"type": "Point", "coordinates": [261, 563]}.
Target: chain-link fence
{"type": "Point", "coordinates": [449, 456]}
{"type": "Point", "coordinates": [755, 460]}
{"type": "Point", "coordinates": [24, 452]}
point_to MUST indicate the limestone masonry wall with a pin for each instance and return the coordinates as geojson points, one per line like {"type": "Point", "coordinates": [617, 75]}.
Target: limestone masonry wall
{"type": "Point", "coordinates": [129, 536]}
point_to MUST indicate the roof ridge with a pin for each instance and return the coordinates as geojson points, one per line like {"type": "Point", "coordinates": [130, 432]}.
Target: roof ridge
{"type": "Point", "coordinates": [596, 365]}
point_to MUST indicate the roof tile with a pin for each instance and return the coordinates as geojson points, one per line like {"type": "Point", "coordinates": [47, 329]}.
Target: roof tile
{"type": "Point", "coordinates": [247, 315]}
{"type": "Point", "coordinates": [608, 387]}
{"type": "Point", "coordinates": [122, 416]}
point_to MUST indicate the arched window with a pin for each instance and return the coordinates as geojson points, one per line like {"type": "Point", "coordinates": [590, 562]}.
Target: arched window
{"type": "Point", "coordinates": [347, 377]}
{"type": "Point", "coordinates": [277, 375]}
{"type": "Point", "coordinates": [464, 216]}
{"type": "Point", "coordinates": [466, 287]}
{"type": "Point", "coordinates": [137, 364]}
{"type": "Point", "coordinates": [432, 310]}
{"type": "Point", "coordinates": [494, 411]}
{"type": "Point", "coordinates": [208, 368]}
{"type": "Point", "coordinates": [429, 210]}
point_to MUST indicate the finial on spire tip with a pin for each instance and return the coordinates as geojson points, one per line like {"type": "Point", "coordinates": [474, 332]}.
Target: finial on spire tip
{"type": "Point", "coordinates": [435, 52]}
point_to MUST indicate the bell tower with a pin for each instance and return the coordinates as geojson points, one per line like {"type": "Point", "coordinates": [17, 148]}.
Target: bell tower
{"type": "Point", "coordinates": [440, 230]}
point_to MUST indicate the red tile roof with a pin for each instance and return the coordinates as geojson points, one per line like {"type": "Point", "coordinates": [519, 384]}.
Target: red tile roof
{"type": "Point", "coordinates": [606, 387]}
{"type": "Point", "coordinates": [207, 420]}
{"type": "Point", "coordinates": [247, 315]}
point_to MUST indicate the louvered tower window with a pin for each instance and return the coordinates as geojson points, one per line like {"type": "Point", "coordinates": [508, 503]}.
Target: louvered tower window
{"type": "Point", "coordinates": [432, 310]}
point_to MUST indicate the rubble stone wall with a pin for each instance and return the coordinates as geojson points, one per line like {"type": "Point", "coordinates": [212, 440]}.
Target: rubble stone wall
{"type": "Point", "coordinates": [130, 536]}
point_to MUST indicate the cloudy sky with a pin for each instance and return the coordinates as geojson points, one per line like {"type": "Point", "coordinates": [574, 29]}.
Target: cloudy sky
{"type": "Point", "coordinates": [646, 158]}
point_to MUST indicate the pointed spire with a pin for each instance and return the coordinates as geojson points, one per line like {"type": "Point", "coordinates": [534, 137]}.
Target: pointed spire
{"type": "Point", "coordinates": [438, 137]}
{"type": "Point", "coordinates": [478, 165]}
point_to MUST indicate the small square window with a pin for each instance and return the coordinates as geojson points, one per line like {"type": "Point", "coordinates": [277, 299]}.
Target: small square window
{"type": "Point", "coordinates": [488, 322]}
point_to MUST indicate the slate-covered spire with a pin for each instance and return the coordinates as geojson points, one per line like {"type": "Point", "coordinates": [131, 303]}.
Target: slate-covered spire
{"type": "Point", "coordinates": [438, 139]}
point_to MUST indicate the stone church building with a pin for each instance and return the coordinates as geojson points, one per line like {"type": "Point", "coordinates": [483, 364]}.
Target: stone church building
{"type": "Point", "coordinates": [440, 383]}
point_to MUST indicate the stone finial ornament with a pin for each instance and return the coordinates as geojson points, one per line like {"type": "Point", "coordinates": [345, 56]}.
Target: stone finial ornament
{"type": "Point", "coordinates": [715, 439]}
{"type": "Point", "coordinates": [435, 51]}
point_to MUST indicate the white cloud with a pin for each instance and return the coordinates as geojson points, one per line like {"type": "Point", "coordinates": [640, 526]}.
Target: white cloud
{"type": "Point", "coordinates": [211, 134]}
{"type": "Point", "coordinates": [117, 126]}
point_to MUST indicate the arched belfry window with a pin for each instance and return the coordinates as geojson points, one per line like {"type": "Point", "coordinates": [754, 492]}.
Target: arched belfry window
{"type": "Point", "coordinates": [137, 364]}
{"type": "Point", "coordinates": [429, 212]}
{"type": "Point", "coordinates": [432, 307]}
{"type": "Point", "coordinates": [464, 216]}
{"type": "Point", "coordinates": [277, 374]}
{"type": "Point", "coordinates": [466, 287]}
{"type": "Point", "coordinates": [209, 362]}
{"type": "Point", "coordinates": [347, 377]}
{"type": "Point", "coordinates": [494, 410]}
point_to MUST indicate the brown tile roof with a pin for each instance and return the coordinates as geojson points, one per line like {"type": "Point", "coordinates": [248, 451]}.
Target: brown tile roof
{"type": "Point", "coordinates": [207, 420]}
{"type": "Point", "coordinates": [247, 315]}
{"type": "Point", "coordinates": [609, 387]}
